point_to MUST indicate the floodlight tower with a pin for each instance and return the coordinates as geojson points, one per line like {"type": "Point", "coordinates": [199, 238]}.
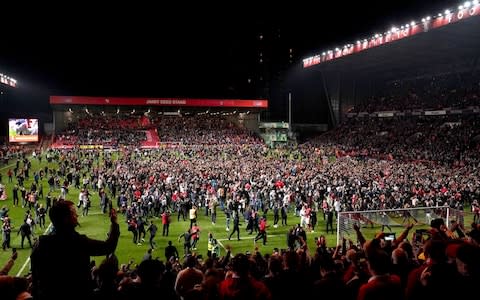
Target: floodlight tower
{"type": "Point", "coordinates": [7, 80]}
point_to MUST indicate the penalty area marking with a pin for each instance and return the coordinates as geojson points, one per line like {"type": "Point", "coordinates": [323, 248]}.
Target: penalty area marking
{"type": "Point", "coordinates": [249, 237]}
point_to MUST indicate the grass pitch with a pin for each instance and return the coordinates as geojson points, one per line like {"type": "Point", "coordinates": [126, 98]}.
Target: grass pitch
{"type": "Point", "coordinates": [96, 226]}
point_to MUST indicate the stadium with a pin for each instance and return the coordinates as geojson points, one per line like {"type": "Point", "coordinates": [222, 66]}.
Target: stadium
{"type": "Point", "coordinates": [204, 198]}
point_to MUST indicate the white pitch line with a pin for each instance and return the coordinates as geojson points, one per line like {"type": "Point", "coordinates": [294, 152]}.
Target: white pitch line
{"type": "Point", "coordinates": [97, 213]}
{"type": "Point", "coordinates": [220, 243]}
{"type": "Point", "coordinates": [250, 237]}
{"type": "Point", "coordinates": [28, 259]}
{"type": "Point", "coordinates": [10, 165]}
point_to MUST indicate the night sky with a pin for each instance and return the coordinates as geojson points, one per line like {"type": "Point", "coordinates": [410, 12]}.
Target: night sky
{"type": "Point", "coordinates": [184, 51]}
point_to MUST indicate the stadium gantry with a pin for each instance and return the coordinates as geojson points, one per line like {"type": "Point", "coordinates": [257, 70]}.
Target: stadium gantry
{"type": "Point", "coordinates": [343, 77]}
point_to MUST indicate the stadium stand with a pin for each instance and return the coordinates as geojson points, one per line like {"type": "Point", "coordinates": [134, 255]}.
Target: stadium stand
{"type": "Point", "coordinates": [414, 143]}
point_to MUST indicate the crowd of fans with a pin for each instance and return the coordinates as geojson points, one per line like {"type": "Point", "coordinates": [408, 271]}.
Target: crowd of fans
{"type": "Point", "coordinates": [142, 184]}
{"type": "Point", "coordinates": [451, 140]}
{"type": "Point", "coordinates": [10, 152]}
{"type": "Point", "coordinates": [451, 90]}
{"type": "Point", "coordinates": [204, 129]}
{"type": "Point", "coordinates": [447, 264]}
{"type": "Point", "coordinates": [113, 131]}
{"type": "Point", "coordinates": [219, 167]}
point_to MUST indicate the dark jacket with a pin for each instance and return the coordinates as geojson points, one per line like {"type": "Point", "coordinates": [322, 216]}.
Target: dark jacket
{"type": "Point", "coordinates": [61, 263]}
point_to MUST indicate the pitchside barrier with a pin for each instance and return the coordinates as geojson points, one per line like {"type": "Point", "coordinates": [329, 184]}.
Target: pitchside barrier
{"type": "Point", "coordinates": [390, 219]}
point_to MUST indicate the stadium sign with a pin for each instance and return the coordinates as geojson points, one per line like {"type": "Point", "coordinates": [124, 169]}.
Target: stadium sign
{"type": "Point", "coordinates": [91, 147]}
{"type": "Point", "coordinates": [181, 102]}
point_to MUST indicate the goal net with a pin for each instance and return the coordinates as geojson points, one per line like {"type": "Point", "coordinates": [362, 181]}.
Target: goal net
{"type": "Point", "coordinates": [392, 220]}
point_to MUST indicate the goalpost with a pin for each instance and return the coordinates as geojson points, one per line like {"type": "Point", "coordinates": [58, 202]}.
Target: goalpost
{"type": "Point", "coordinates": [393, 219]}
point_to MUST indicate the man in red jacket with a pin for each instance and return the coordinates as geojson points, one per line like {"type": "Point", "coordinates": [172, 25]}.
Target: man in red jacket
{"type": "Point", "coordinates": [262, 233]}
{"type": "Point", "coordinates": [165, 222]}
{"type": "Point", "coordinates": [381, 285]}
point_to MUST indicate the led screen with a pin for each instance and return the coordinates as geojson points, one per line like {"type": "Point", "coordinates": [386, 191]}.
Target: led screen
{"type": "Point", "coordinates": [23, 130]}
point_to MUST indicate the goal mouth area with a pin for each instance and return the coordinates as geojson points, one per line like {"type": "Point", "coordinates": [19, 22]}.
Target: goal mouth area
{"type": "Point", "coordinates": [393, 220]}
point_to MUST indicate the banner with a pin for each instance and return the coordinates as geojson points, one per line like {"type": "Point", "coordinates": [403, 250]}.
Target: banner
{"type": "Point", "coordinates": [273, 125]}
{"type": "Point", "coordinates": [395, 113]}
{"type": "Point", "coordinates": [176, 102]}
{"type": "Point", "coordinates": [435, 113]}
{"type": "Point", "coordinates": [384, 114]}
{"type": "Point", "coordinates": [62, 146]}
{"type": "Point", "coordinates": [91, 146]}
